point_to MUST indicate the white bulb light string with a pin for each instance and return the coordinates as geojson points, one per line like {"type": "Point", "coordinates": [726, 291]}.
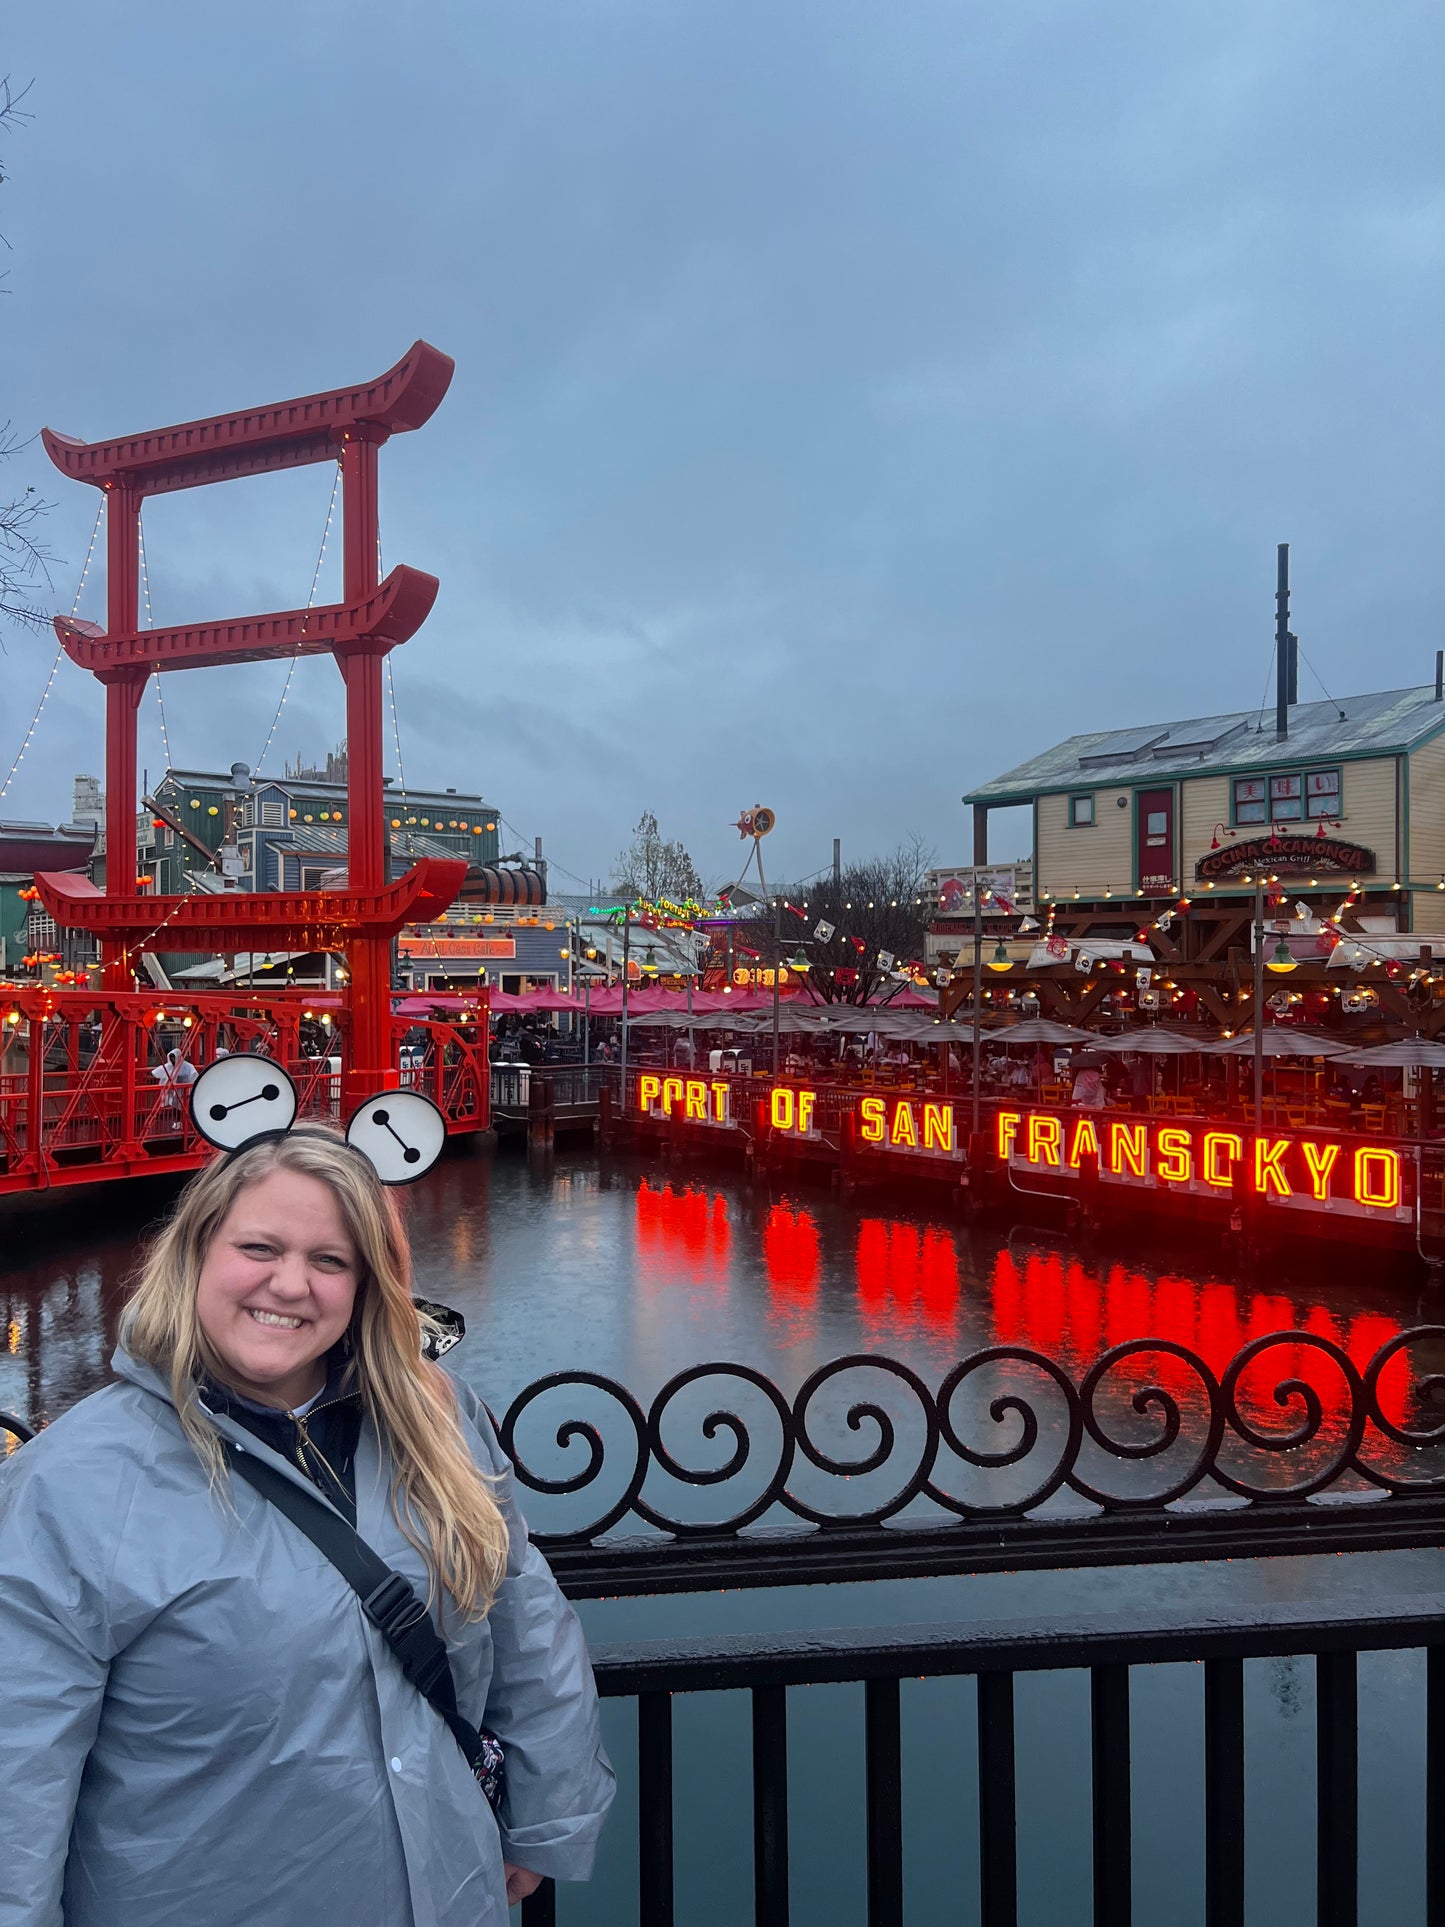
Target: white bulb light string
{"type": "Point", "coordinates": [310, 603]}
{"type": "Point", "coordinates": [145, 581]}
{"type": "Point", "coordinates": [59, 654]}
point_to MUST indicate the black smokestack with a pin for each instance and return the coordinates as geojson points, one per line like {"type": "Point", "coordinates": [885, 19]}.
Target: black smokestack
{"type": "Point", "coordinates": [1283, 645]}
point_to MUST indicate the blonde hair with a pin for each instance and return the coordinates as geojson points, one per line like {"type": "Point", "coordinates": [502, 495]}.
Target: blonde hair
{"type": "Point", "coordinates": [440, 1499]}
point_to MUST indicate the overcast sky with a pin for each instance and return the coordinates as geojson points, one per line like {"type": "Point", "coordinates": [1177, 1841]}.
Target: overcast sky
{"type": "Point", "coordinates": [851, 400]}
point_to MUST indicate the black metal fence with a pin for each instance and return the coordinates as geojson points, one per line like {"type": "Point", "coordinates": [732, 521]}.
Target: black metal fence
{"type": "Point", "coordinates": [1291, 1447]}
{"type": "Point", "coordinates": [571, 1085]}
{"type": "Point", "coordinates": [881, 1658]}
{"type": "Point", "coordinates": [1012, 1461]}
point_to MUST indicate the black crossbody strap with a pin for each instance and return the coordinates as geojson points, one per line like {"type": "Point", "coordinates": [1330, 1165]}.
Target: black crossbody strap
{"type": "Point", "coordinates": [386, 1597]}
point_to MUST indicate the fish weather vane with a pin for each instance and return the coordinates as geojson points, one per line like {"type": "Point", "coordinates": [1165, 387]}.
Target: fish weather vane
{"type": "Point", "coordinates": [754, 823]}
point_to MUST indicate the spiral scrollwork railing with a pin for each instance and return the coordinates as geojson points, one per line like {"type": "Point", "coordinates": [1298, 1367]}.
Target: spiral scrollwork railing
{"type": "Point", "coordinates": [865, 1441]}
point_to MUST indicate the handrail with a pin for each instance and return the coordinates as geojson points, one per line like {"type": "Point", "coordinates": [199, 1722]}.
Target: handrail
{"type": "Point", "coordinates": [970, 1475]}
{"type": "Point", "coordinates": [1051, 1642]}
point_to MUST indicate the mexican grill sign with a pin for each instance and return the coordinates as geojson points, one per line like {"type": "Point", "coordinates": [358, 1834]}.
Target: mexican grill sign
{"type": "Point", "coordinates": [1294, 855]}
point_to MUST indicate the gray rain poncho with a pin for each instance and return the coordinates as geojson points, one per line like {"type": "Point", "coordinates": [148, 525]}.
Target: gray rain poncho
{"type": "Point", "coordinates": [198, 1724]}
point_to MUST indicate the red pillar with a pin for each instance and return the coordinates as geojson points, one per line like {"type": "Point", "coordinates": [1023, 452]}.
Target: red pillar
{"type": "Point", "coordinates": [372, 1058]}
{"type": "Point", "coordinates": [123, 692]}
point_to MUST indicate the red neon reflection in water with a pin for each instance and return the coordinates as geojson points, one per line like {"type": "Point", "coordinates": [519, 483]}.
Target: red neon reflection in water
{"type": "Point", "coordinates": [792, 1259]}
{"type": "Point", "coordinates": [682, 1236]}
{"type": "Point", "coordinates": [907, 1279]}
{"type": "Point", "coordinates": [790, 1252]}
{"type": "Point", "coordinates": [1056, 1305]}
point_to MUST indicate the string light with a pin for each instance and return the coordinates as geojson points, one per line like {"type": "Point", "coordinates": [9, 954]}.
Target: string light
{"type": "Point", "coordinates": [310, 601]}
{"type": "Point", "coordinates": [59, 653]}
{"type": "Point", "coordinates": [145, 582]}
{"type": "Point", "coordinates": [395, 722]}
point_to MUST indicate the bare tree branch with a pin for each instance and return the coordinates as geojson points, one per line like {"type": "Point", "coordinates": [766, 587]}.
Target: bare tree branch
{"type": "Point", "coordinates": [24, 561]}
{"type": "Point", "coordinates": [653, 866]}
{"type": "Point", "coordinates": [12, 117]}
{"type": "Point", "coordinates": [877, 908]}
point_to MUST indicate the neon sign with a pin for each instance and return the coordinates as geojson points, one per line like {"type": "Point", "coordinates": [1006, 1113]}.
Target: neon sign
{"type": "Point", "coordinates": [1297, 855]}
{"type": "Point", "coordinates": [701, 1100]}
{"type": "Point", "coordinates": [1285, 1168]}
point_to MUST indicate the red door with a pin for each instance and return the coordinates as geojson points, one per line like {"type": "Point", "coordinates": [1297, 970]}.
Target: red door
{"type": "Point", "coordinates": [1154, 828]}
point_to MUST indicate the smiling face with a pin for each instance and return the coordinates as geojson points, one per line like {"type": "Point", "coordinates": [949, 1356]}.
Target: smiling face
{"type": "Point", "coordinates": [277, 1287]}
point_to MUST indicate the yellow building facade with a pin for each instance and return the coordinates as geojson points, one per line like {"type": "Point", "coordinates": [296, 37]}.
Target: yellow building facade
{"type": "Point", "coordinates": [1353, 792]}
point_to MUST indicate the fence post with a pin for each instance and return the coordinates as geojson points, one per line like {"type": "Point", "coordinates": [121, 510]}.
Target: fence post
{"type": "Point", "coordinates": [540, 1119]}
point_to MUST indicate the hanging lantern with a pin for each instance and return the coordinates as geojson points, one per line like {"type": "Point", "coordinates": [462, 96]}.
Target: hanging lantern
{"type": "Point", "coordinates": [1001, 960]}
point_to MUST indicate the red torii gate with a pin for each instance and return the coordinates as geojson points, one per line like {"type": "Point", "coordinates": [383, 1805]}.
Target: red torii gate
{"type": "Point", "coordinates": [349, 424]}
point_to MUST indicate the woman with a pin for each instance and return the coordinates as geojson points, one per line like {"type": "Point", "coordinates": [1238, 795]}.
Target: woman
{"type": "Point", "coordinates": [198, 1724]}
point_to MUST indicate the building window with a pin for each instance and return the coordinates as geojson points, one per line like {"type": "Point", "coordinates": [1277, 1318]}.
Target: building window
{"type": "Point", "coordinates": [1288, 797]}
{"type": "Point", "coordinates": [1322, 792]}
{"type": "Point", "coordinates": [1081, 811]}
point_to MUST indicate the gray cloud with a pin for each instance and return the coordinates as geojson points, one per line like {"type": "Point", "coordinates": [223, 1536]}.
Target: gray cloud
{"type": "Point", "coordinates": [850, 400]}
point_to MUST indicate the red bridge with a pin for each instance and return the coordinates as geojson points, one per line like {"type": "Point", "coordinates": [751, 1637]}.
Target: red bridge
{"type": "Point", "coordinates": [79, 1096]}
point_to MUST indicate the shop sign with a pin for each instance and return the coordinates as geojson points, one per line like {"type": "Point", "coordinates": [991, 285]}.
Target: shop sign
{"type": "Point", "coordinates": [701, 1100]}
{"type": "Point", "coordinates": [887, 1123]}
{"type": "Point", "coordinates": [999, 889]}
{"type": "Point", "coordinates": [1285, 1168]}
{"type": "Point", "coordinates": [473, 948]}
{"type": "Point", "coordinates": [1293, 855]}
{"type": "Point", "coordinates": [909, 1124]}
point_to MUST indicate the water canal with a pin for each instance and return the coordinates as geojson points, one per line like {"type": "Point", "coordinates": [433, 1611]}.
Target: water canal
{"type": "Point", "coordinates": [617, 1269]}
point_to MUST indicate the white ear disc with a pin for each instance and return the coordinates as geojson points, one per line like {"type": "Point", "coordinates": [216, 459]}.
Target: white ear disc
{"type": "Point", "coordinates": [237, 1098]}
{"type": "Point", "coordinates": [399, 1133]}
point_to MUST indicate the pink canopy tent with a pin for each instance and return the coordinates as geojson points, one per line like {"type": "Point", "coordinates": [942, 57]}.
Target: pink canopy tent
{"type": "Point", "coordinates": [547, 999]}
{"type": "Point", "coordinates": [422, 1004]}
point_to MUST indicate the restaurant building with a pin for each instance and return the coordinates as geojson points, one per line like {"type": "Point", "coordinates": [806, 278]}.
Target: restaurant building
{"type": "Point", "coordinates": [1320, 795]}
{"type": "Point", "coordinates": [289, 831]}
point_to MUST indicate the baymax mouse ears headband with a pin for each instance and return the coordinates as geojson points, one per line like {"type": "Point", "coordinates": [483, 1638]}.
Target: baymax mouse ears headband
{"type": "Point", "coordinates": [239, 1099]}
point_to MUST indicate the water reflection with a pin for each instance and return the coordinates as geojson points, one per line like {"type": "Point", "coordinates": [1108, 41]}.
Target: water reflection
{"type": "Point", "coordinates": [622, 1270]}
{"type": "Point", "coordinates": [682, 1236]}
{"type": "Point", "coordinates": [907, 1281]}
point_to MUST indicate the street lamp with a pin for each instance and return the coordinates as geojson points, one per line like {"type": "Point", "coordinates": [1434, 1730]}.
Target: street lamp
{"type": "Point", "coordinates": [777, 973]}
{"type": "Point", "coordinates": [1001, 960]}
{"type": "Point", "coordinates": [1281, 962]}
{"type": "Point", "coordinates": [979, 893]}
{"type": "Point", "coordinates": [1259, 967]}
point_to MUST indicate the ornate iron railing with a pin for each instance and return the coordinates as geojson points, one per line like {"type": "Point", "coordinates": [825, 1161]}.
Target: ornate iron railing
{"type": "Point", "coordinates": [1274, 1453]}
{"type": "Point", "coordinates": [867, 1470]}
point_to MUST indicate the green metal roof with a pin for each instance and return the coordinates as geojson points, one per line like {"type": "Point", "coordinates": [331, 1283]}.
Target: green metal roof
{"type": "Point", "coordinates": [1357, 726]}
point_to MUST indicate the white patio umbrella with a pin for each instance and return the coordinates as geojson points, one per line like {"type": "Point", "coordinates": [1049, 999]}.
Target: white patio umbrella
{"type": "Point", "coordinates": [1403, 1053]}
{"type": "Point", "coordinates": [1281, 1041]}
{"type": "Point", "coordinates": [1149, 1041]}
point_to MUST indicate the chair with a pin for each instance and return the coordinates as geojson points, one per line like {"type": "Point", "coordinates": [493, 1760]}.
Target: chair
{"type": "Point", "coordinates": [1372, 1116]}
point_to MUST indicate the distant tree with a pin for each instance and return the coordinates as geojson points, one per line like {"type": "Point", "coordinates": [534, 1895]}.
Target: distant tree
{"type": "Point", "coordinates": [653, 866]}
{"type": "Point", "coordinates": [876, 907]}
{"type": "Point", "coordinates": [23, 561]}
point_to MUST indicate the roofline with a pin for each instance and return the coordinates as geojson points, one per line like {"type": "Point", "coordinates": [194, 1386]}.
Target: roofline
{"type": "Point", "coordinates": [1012, 798]}
{"type": "Point", "coordinates": [215, 780]}
{"type": "Point", "coordinates": [1141, 778]}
